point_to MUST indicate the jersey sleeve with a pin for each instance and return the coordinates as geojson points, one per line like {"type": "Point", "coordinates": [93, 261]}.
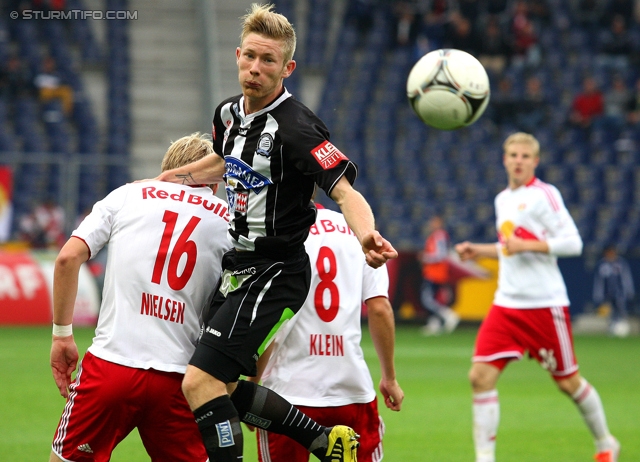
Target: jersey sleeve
{"type": "Point", "coordinates": [307, 145]}
{"type": "Point", "coordinates": [375, 282]}
{"type": "Point", "coordinates": [217, 132]}
{"type": "Point", "coordinates": [95, 229]}
{"type": "Point", "coordinates": [563, 237]}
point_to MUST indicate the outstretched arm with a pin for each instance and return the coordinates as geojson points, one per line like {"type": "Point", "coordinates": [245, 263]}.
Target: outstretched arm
{"type": "Point", "coordinates": [207, 170]}
{"type": "Point", "coordinates": [360, 219]}
{"type": "Point", "coordinates": [382, 329]}
{"type": "Point", "coordinates": [64, 351]}
{"type": "Point", "coordinates": [468, 250]}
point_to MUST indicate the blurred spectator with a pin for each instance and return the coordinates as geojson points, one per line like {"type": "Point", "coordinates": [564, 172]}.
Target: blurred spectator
{"type": "Point", "coordinates": [621, 8]}
{"type": "Point", "coordinates": [405, 25]}
{"type": "Point", "coordinates": [526, 50]}
{"type": "Point", "coordinates": [44, 226]}
{"type": "Point", "coordinates": [49, 5]}
{"type": "Point", "coordinates": [613, 283]}
{"type": "Point", "coordinates": [532, 109]}
{"type": "Point", "coordinates": [503, 102]}
{"type": "Point", "coordinates": [360, 13]}
{"type": "Point", "coordinates": [633, 106]}
{"type": "Point", "coordinates": [587, 105]}
{"type": "Point", "coordinates": [470, 9]}
{"type": "Point", "coordinates": [15, 80]}
{"type": "Point", "coordinates": [6, 204]}
{"type": "Point", "coordinates": [540, 12]}
{"type": "Point", "coordinates": [433, 25]}
{"type": "Point", "coordinates": [460, 35]}
{"type": "Point", "coordinates": [436, 280]}
{"type": "Point", "coordinates": [615, 45]}
{"type": "Point", "coordinates": [493, 47]}
{"type": "Point", "coordinates": [616, 102]}
{"type": "Point", "coordinates": [50, 85]}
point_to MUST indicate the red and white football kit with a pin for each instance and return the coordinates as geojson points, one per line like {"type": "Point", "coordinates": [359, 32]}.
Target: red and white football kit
{"type": "Point", "coordinates": [530, 309]}
{"type": "Point", "coordinates": [317, 363]}
{"type": "Point", "coordinates": [166, 243]}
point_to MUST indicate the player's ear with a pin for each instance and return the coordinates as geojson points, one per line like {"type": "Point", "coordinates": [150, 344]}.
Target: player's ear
{"type": "Point", "coordinates": [288, 69]}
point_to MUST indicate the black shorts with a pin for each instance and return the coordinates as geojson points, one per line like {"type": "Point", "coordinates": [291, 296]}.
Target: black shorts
{"type": "Point", "coordinates": [255, 296]}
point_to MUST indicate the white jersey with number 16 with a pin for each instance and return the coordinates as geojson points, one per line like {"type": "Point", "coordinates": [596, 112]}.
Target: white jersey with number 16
{"type": "Point", "coordinates": [166, 242]}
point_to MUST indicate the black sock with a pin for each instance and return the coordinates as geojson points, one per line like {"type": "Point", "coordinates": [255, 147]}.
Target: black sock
{"type": "Point", "coordinates": [219, 426]}
{"type": "Point", "coordinates": [264, 408]}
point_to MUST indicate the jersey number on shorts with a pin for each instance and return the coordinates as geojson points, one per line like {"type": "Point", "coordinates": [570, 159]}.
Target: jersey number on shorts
{"type": "Point", "coordinates": [327, 267]}
{"type": "Point", "coordinates": [182, 246]}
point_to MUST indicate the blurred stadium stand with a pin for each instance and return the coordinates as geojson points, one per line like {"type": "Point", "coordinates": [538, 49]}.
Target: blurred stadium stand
{"type": "Point", "coordinates": [407, 170]}
{"type": "Point", "coordinates": [58, 154]}
{"type": "Point", "coordinates": [405, 166]}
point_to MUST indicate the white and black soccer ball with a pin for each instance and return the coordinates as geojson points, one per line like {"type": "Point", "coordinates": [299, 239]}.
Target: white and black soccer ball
{"type": "Point", "coordinates": [448, 89]}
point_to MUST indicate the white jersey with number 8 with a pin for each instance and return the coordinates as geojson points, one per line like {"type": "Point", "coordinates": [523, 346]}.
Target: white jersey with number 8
{"type": "Point", "coordinates": [317, 359]}
{"type": "Point", "coordinates": [166, 242]}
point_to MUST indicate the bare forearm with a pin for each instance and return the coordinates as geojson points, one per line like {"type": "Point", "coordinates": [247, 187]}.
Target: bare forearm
{"type": "Point", "coordinates": [356, 211]}
{"type": "Point", "coordinates": [382, 329]}
{"type": "Point", "coordinates": [359, 217]}
{"type": "Point", "coordinates": [65, 280]}
{"type": "Point", "coordinates": [468, 250]}
{"type": "Point", "coordinates": [65, 289]}
{"type": "Point", "coordinates": [208, 170]}
{"type": "Point", "coordinates": [535, 246]}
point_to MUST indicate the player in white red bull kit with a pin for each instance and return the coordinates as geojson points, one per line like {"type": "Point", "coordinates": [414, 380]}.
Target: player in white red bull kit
{"type": "Point", "coordinates": [271, 151]}
{"type": "Point", "coordinates": [166, 243]}
{"type": "Point", "coordinates": [530, 311]}
{"type": "Point", "coordinates": [315, 361]}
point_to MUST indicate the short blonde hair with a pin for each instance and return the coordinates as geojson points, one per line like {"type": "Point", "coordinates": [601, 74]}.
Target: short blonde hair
{"type": "Point", "coordinates": [521, 137]}
{"type": "Point", "coordinates": [186, 150]}
{"type": "Point", "coordinates": [262, 20]}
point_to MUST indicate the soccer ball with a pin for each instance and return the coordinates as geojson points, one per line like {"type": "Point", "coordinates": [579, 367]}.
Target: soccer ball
{"type": "Point", "coordinates": [448, 89]}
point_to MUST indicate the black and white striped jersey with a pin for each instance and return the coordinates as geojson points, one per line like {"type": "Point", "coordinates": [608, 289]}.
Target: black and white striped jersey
{"type": "Point", "coordinates": [273, 157]}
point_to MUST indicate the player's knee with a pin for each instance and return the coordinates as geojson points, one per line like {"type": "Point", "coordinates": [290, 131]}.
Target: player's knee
{"type": "Point", "coordinates": [475, 379]}
{"type": "Point", "coordinates": [482, 378]}
{"type": "Point", "coordinates": [199, 387]}
{"type": "Point", "coordinates": [191, 384]}
{"type": "Point", "coordinates": [188, 386]}
{"type": "Point", "coordinates": [570, 385]}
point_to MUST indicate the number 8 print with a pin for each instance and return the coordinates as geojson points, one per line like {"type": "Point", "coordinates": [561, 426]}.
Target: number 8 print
{"type": "Point", "coordinates": [327, 275]}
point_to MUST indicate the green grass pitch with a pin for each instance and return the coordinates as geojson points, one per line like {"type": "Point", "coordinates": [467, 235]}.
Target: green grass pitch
{"type": "Point", "coordinates": [538, 424]}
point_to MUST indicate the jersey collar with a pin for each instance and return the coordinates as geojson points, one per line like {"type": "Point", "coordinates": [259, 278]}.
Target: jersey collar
{"type": "Point", "coordinates": [283, 96]}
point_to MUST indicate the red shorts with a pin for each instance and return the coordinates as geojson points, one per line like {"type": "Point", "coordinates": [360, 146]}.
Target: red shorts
{"type": "Point", "coordinates": [107, 401]}
{"type": "Point", "coordinates": [363, 418]}
{"type": "Point", "coordinates": [545, 333]}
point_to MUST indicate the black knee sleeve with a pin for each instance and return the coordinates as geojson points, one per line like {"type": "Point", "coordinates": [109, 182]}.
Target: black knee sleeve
{"type": "Point", "coordinates": [220, 428]}
{"type": "Point", "coordinates": [242, 397]}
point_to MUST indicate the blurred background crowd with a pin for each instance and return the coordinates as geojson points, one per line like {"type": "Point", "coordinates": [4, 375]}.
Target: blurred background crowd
{"type": "Point", "coordinates": [567, 71]}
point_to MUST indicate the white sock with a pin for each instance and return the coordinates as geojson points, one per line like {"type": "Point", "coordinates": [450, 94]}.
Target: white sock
{"type": "Point", "coordinates": [486, 416]}
{"type": "Point", "coordinates": [588, 401]}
